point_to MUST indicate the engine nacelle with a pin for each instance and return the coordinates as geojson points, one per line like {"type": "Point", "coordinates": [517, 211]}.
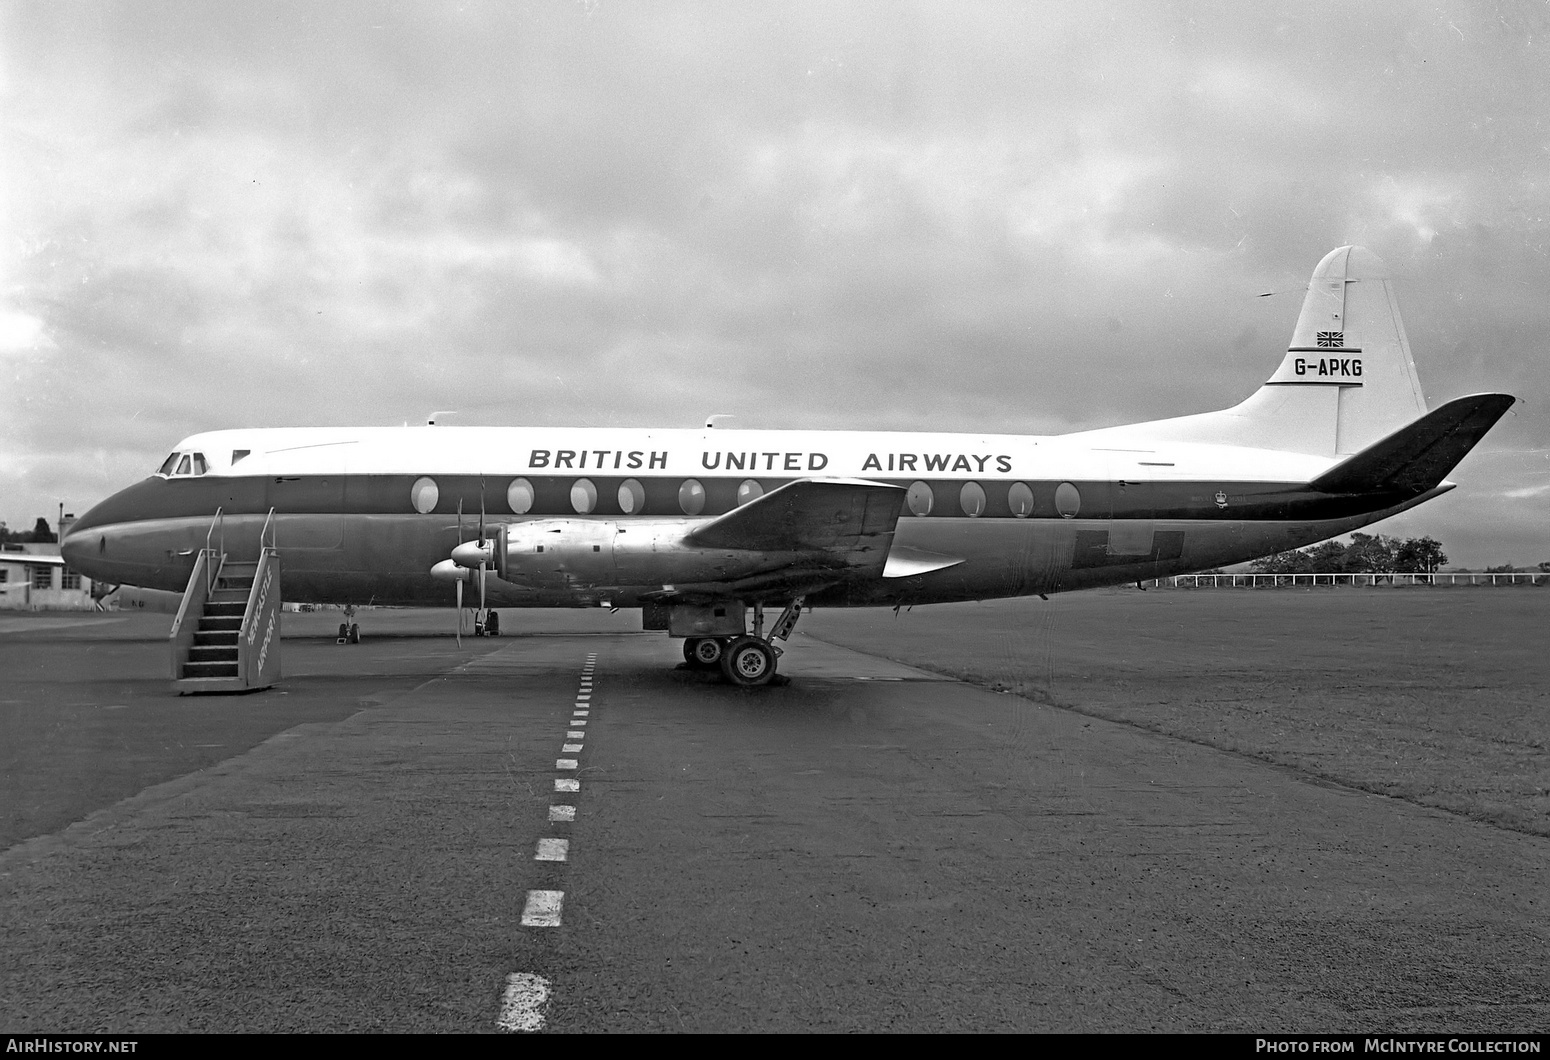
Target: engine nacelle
{"type": "Point", "coordinates": [608, 553]}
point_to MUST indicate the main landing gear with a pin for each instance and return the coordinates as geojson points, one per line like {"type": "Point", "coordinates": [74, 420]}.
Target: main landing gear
{"type": "Point", "coordinates": [744, 660]}
{"type": "Point", "coordinates": [489, 625]}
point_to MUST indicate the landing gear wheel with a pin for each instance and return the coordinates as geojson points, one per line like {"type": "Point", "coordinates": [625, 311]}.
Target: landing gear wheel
{"type": "Point", "coordinates": [344, 633]}
{"type": "Point", "coordinates": [492, 625]}
{"type": "Point", "coordinates": [748, 661]}
{"type": "Point", "coordinates": [703, 653]}
{"type": "Point", "coordinates": [355, 633]}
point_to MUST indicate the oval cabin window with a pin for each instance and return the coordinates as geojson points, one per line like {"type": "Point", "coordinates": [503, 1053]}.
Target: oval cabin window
{"type": "Point", "coordinates": [691, 497]}
{"type": "Point", "coordinates": [519, 495]}
{"type": "Point", "coordinates": [632, 497]}
{"type": "Point", "coordinates": [972, 499]}
{"type": "Point", "coordinates": [1068, 501]}
{"type": "Point", "coordinates": [748, 491]}
{"type": "Point", "coordinates": [583, 496]}
{"type": "Point", "coordinates": [919, 499]}
{"type": "Point", "coordinates": [424, 494]}
{"type": "Point", "coordinates": [1020, 497]}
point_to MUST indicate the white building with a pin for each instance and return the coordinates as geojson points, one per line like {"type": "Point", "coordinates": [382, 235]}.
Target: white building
{"type": "Point", "coordinates": [33, 577]}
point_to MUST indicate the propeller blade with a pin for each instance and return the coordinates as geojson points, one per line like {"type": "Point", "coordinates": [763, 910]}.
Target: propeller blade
{"type": "Point", "coordinates": [484, 615]}
{"type": "Point", "coordinates": [460, 580]}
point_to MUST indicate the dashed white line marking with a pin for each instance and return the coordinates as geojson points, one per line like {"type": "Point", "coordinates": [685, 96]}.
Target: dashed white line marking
{"type": "Point", "coordinates": [582, 713]}
{"type": "Point", "coordinates": [543, 909]}
{"type": "Point", "coordinates": [562, 813]}
{"type": "Point", "coordinates": [552, 850]}
{"type": "Point", "coordinates": [564, 763]}
{"type": "Point", "coordinates": [571, 748]}
{"type": "Point", "coordinates": [578, 721]}
{"type": "Point", "coordinates": [561, 784]}
{"type": "Point", "coordinates": [575, 734]}
{"type": "Point", "coordinates": [523, 1003]}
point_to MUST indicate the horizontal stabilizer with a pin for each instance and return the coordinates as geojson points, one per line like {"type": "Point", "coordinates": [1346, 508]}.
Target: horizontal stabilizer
{"type": "Point", "coordinates": [1417, 457]}
{"type": "Point", "coordinates": [852, 518]}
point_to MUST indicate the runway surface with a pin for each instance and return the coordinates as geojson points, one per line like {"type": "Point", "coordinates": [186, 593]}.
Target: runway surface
{"type": "Point", "coordinates": [871, 847]}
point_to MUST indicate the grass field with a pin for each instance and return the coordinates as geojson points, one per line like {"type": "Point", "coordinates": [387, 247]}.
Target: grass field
{"type": "Point", "coordinates": [1437, 696]}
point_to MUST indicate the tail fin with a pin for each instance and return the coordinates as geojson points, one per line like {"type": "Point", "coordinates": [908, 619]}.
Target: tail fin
{"type": "Point", "coordinates": [1349, 363]}
{"type": "Point", "coordinates": [1347, 381]}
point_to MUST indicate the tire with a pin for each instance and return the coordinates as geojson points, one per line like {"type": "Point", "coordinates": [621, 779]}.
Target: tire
{"type": "Point", "coordinates": [703, 653]}
{"type": "Point", "coordinates": [748, 661]}
{"type": "Point", "coordinates": [492, 625]}
{"type": "Point", "coordinates": [355, 633]}
{"type": "Point", "coordinates": [344, 632]}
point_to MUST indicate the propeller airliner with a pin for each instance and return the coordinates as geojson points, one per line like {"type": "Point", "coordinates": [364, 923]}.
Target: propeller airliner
{"type": "Point", "coordinates": [710, 533]}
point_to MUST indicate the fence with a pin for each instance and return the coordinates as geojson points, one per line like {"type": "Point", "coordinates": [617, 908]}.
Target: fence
{"type": "Point", "coordinates": [1258, 581]}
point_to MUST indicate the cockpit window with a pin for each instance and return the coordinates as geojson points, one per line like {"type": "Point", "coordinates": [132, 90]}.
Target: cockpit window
{"type": "Point", "coordinates": [179, 464]}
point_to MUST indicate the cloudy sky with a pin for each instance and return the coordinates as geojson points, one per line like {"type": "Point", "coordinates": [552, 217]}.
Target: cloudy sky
{"type": "Point", "coordinates": [1025, 217]}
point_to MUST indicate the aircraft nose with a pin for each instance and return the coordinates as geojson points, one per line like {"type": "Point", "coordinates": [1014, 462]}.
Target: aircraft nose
{"type": "Point", "coordinates": [73, 549]}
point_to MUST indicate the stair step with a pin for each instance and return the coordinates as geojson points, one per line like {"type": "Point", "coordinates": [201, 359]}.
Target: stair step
{"type": "Point", "coordinates": [210, 669]}
{"type": "Point", "coordinates": [211, 638]}
{"type": "Point", "coordinates": [213, 653]}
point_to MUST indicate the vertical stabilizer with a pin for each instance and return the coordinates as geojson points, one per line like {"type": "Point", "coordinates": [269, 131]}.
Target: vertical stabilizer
{"type": "Point", "coordinates": [1350, 341]}
{"type": "Point", "coordinates": [1347, 379]}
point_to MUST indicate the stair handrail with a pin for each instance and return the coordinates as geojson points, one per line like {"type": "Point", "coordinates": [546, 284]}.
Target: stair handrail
{"type": "Point", "coordinates": [188, 602]}
{"type": "Point", "coordinates": [213, 569]}
{"type": "Point", "coordinates": [266, 536]}
{"type": "Point", "coordinates": [257, 593]}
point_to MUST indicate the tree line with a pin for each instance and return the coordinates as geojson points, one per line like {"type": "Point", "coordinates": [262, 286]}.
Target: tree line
{"type": "Point", "coordinates": [1366, 554]}
{"type": "Point", "coordinates": [38, 534]}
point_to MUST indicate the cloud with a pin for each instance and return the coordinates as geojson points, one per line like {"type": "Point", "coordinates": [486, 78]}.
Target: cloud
{"type": "Point", "coordinates": [20, 332]}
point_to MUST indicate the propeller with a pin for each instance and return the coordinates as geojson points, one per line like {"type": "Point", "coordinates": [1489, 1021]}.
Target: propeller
{"type": "Point", "coordinates": [470, 556]}
{"type": "Point", "coordinates": [454, 571]}
{"type": "Point", "coordinates": [484, 615]}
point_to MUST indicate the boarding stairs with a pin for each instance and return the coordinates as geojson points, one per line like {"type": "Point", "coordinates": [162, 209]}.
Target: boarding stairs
{"type": "Point", "coordinates": [226, 637]}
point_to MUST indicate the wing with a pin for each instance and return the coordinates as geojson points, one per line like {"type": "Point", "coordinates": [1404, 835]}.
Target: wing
{"type": "Point", "coordinates": [833, 524]}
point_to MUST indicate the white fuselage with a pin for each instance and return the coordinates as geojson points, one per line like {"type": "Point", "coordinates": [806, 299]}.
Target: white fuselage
{"type": "Point", "coordinates": [361, 515]}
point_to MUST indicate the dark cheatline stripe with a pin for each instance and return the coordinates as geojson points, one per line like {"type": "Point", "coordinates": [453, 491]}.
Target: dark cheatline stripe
{"type": "Point", "coordinates": [389, 495]}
